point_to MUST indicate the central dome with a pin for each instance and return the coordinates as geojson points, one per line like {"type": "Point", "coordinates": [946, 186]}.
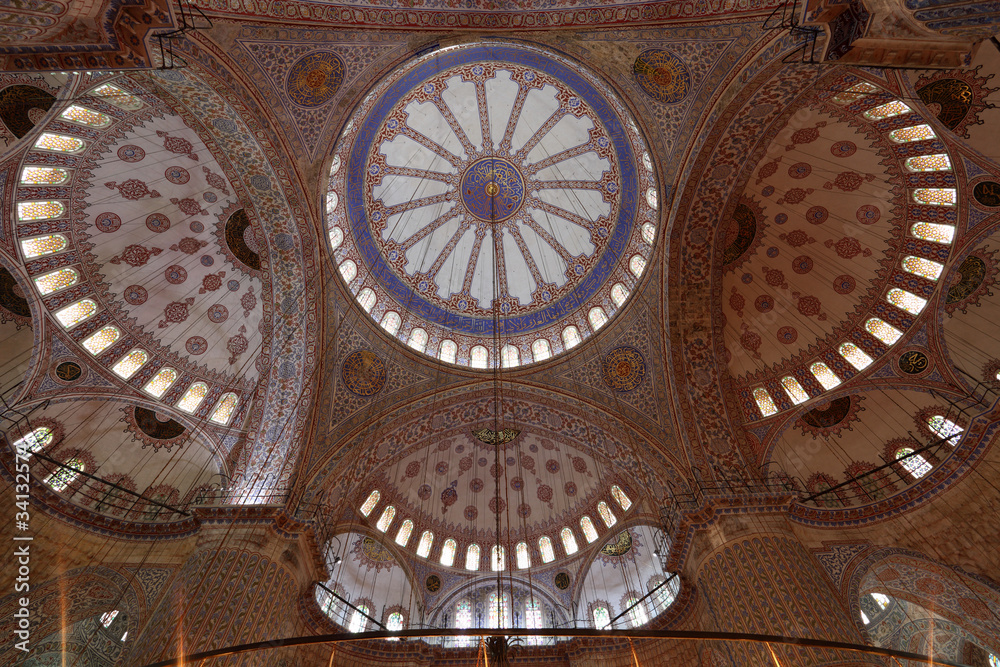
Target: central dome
{"type": "Point", "coordinates": [474, 141]}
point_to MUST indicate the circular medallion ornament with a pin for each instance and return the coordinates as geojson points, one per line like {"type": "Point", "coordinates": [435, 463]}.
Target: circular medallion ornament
{"type": "Point", "coordinates": [218, 313]}
{"type": "Point", "coordinates": [562, 581]}
{"type": "Point", "coordinates": [315, 78]}
{"type": "Point", "coordinates": [868, 214]}
{"type": "Point", "coordinates": [175, 274]}
{"type": "Point", "coordinates": [433, 583]}
{"type": "Point", "coordinates": [492, 189]}
{"type": "Point", "coordinates": [913, 362]}
{"type": "Point", "coordinates": [107, 222]}
{"type": "Point", "coordinates": [363, 373]}
{"type": "Point", "coordinates": [157, 222]}
{"type": "Point", "coordinates": [987, 193]}
{"type": "Point", "coordinates": [68, 371]}
{"type": "Point", "coordinates": [662, 75]}
{"type": "Point", "coordinates": [177, 175]}
{"type": "Point", "coordinates": [136, 295]}
{"type": "Point", "coordinates": [196, 345]}
{"type": "Point", "coordinates": [623, 368]}
{"type": "Point", "coordinates": [130, 153]}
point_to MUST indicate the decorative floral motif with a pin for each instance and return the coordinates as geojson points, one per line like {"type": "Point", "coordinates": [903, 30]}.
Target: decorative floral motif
{"type": "Point", "coordinates": [133, 189]}
{"type": "Point", "coordinates": [787, 335]}
{"type": "Point", "coordinates": [847, 247]}
{"type": "Point", "coordinates": [177, 175]}
{"type": "Point", "coordinates": [196, 345]}
{"type": "Point", "coordinates": [248, 301]}
{"type": "Point", "coordinates": [971, 281]}
{"type": "Point", "coordinates": [795, 195]}
{"type": "Point", "coordinates": [763, 303]}
{"type": "Point", "coordinates": [135, 295]}
{"type": "Point", "coordinates": [157, 222]}
{"type": "Point", "coordinates": [175, 311]}
{"type": "Point", "coordinates": [817, 215]}
{"type": "Point", "coordinates": [806, 135]}
{"type": "Point", "coordinates": [211, 282]}
{"type": "Point", "coordinates": [135, 255]}
{"type": "Point", "coordinates": [623, 369]}
{"type": "Point", "coordinates": [188, 206]}
{"type": "Point", "coordinates": [107, 222]}
{"type": "Point", "coordinates": [372, 555]}
{"type": "Point", "coordinates": [843, 149]}
{"type": "Point", "coordinates": [131, 153]}
{"type": "Point", "coordinates": [661, 75]}
{"type": "Point", "coordinates": [175, 274]}
{"type": "Point", "coordinates": [237, 345]}
{"type": "Point", "coordinates": [736, 301]}
{"type": "Point", "coordinates": [218, 313]}
{"type": "Point", "coordinates": [189, 246]}
{"type": "Point", "coordinates": [799, 170]}
{"type": "Point", "coordinates": [363, 373]}
{"type": "Point", "coordinates": [153, 429]}
{"type": "Point", "coordinates": [868, 214]}
{"type": "Point", "coordinates": [750, 340]}
{"type": "Point", "coordinates": [177, 145]}
{"type": "Point", "coordinates": [802, 264]}
{"type": "Point", "coordinates": [215, 181]}
{"type": "Point", "coordinates": [844, 284]}
{"type": "Point", "coordinates": [957, 97]}
{"type": "Point", "coordinates": [849, 181]}
{"type": "Point", "coordinates": [832, 418]}
{"type": "Point", "coordinates": [796, 238]}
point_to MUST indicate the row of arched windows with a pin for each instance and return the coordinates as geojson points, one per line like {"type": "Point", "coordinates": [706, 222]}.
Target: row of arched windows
{"type": "Point", "coordinates": [638, 610]}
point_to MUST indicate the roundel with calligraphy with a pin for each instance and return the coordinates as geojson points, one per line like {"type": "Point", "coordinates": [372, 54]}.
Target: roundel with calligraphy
{"type": "Point", "coordinates": [491, 179]}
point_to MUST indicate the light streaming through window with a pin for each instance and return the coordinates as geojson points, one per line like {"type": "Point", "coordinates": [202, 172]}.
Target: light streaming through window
{"type": "Point", "coordinates": [764, 402]}
{"type": "Point", "coordinates": [367, 299]}
{"type": "Point", "coordinates": [523, 556]}
{"type": "Point", "coordinates": [449, 351]}
{"type": "Point", "coordinates": [884, 331]}
{"type": "Point", "coordinates": [36, 440]}
{"type": "Point", "coordinates": [545, 546]}
{"type": "Point", "coordinates": [43, 245]}
{"type": "Point", "coordinates": [888, 110]}
{"type": "Point", "coordinates": [59, 143]}
{"type": "Point", "coordinates": [602, 619]}
{"type": "Point", "coordinates": [336, 237]}
{"type": "Point", "coordinates": [358, 620]}
{"type": "Point", "coordinates": [75, 313]}
{"type": "Point", "coordinates": [426, 541]}
{"type": "Point", "coordinates": [935, 196]}
{"type": "Point", "coordinates": [479, 357]}
{"type": "Point", "coordinates": [568, 541]}
{"type": "Point", "coordinates": [648, 233]}
{"type": "Point", "coordinates": [384, 521]}
{"type": "Point", "coordinates": [62, 478]}
{"type": "Point", "coordinates": [472, 557]}
{"type": "Point", "coordinates": [117, 97]}
{"type": "Point", "coordinates": [541, 350]}
{"type": "Point", "coordinates": [945, 427]}
{"type": "Point", "coordinates": [911, 303]}
{"type": "Point", "coordinates": [43, 176]}
{"type": "Point", "coordinates": [637, 265]}
{"type": "Point", "coordinates": [57, 280]}
{"type": "Point", "coordinates": [915, 464]}
{"type": "Point", "coordinates": [84, 116]}
{"type": "Point", "coordinates": [390, 322]}
{"type": "Point", "coordinates": [607, 516]}
{"type": "Point", "coordinates": [794, 390]}
{"type": "Point", "coordinates": [370, 503]}
{"type": "Point", "coordinates": [510, 356]}
{"type": "Point", "coordinates": [824, 375]}
{"type": "Point", "coordinates": [448, 552]}
{"type": "Point", "coordinates": [855, 355]}
{"type": "Point", "coordinates": [348, 271]}
{"type": "Point", "coordinates": [160, 382]}
{"type": "Point", "coordinates": [108, 618]}
{"type": "Point", "coordinates": [403, 535]}
{"type": "Point", "coordinates": [854, 93]}
{"type": "Point", "coordinates": [101, 340]}
{"type": "Point", "coordinates": [915, 133]}
{"type": "Point", "coordinates": [637, 612]}
{"type": "Point", "coordinates": [225, 408]}
{"type": "Point", "coordinates": [570, 337]}
{"type": "Point", "coordinates": [498, 558]}
{"type": "Point", "coordinates": [619, 293]}
{"type": "Point", "coordinates": [597, 318]}
{"type": "Point", "coordinates": [623, 500]}
{"type": "Point", "coordinates": [130, 363]}
{"type": "Point", "coordinates": [936, 162]}
{"type": "Point", "coordinates": [418, 339]}
{"type": "Point", "coordinates": [587, 526]}
{"type": "Point", "coordinates": [193, 397]}
{"type": "Point", "coordinates": [923, 267]}
{"type": "Point", "coordinates": [28, 211]}
{"type": "Point", "coordinates": [930, 231]}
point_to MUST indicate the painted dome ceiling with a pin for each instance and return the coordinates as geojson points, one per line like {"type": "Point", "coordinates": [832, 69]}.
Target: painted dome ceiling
{"type": "Point", "coordinates": [479, 140]}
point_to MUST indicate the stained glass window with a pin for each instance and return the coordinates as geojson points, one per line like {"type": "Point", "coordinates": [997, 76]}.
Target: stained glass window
{"type": "Point", "coordinates": [855, 355]}
{"type": "Point", "coordinates": [545, 546]}
{"type": "Point", "coordinates": [418, 339]}
{"type": "Point", "coordinates": [84, 116]}
{"type": "Point", "coordinates": [43, 176]}
{"type": "Point", "coordinates": [887, 110]}
{"type": "Point", "coordinates": [607, 516]}
{"type": "Point", "coordinates": [652, 198]}
{"type": "Point", "coordinates": [936, 162]}
{"type": "Point", "coordinates": [390, 322]}
{"type": "Point", "coordinates": [587, 526]}
{"type": "Point", "coordinates": [541, 350]}
{"type": "Point", "coordinates": [472, 557]}
{"type": "Point", "coordinates": [384, 521]}
{"type": "Point", "coordinates": [39, 210]}
{"type": "Point", "coordinates": [367, 299]}
{"type": "Point", "coordinates": [794, 390]}
{"type": "Point", "coordinates": [336, 237]}
{"type": "Point", "coordinates": [930, 231]}
{"type": "Point", "coordinates": [448, 552]}
{"type": "Point", "coordinates": [331, 202]}
{"type": "Point", "coordinates": [36, 440]}
{"type": "Point", "coordinates": [130, 363]}
{"type": "Point", "coordinates": [883, 601]}
{"type": "Point", "coordinates": [348, 270]}
{"type": "Point", "coordinates": [449, 351]}
{"type": "Point", "coordinates": [403, 535]}
{"type": "Point", "coordinates": [75, 313]}
{"type": "Point", "coordinates": [602, 619]}
{"type": "Point", "coordinates": [824, 375]}
{"type": "Point", "coordinates": [916, 464]}
{"type": "Point", "coordinates": [108, 618]}
{"type": "Point", "coordinates": [568, 541]}
{"type": "Point", "coordinates": [499, 610]}
{"type": "Point", "coordinates": [911, 303]}
{"type": "Point", "coordinates": [43, 245]}
{"type": "Point", "coordinates": [117, 96]}
{"type": "Point", "coordinates": [59, 142]}
{"type": "Point", "coordinates": [648, 233]}
{"type": "Point", "coordinates": [498, 558]}
{"type": "Point", "coordinates": [523, 556]}
{"type": "Point", "coordinates": [99, 341]}
{"type": "Point", "coordinates": [57, 280]}
{"type": "Point", "coordinates": [225, 408]}
{"type": "Point", "coordinates": [479, 357]}
{"type": "Point", "coordinates": [62, 478]}
{"type": "Point", "coordinates": [637, 615]}
{"type": "Point", "coordinates": [665, 594]}
{"type": "Point", "coordinates": [637, 265]}
{"type": "Point", "coordinates": [994, 660]}
{"type": "Point", "coordinates": [619, 293]}
{"type": "Point", "coordinates": [358, 620]}
{"type": "Point", "coordinates": [463, 619]}
{"type": "Point", "coordinates": [426, 540]}
{"type": "Point", "coordinates": [764, 402]}
{"type": "Point", "coordinates": [914, 133]}
{"type": "Point", "coordinates": [510, 356]}
{"type": "Point", "coordinates": [533, 618]}
{"type": "Point", "coordinates": [923, 267]}
{"type": "Point", "coordinates": [597, 318]}
{"type": "Point", "coordinates": [945, 427]}
{"type": "Point", "coordinates": [161, 382]}
{"type": "Point", "coordinates": [571, 337]}
{"type": "Point", "coordinates": [864, 618]}
{"type": "Point", "coordinates": [935, 196]}
{"type": "Point", "coordinates": [884, 331]}
{"type": "Point", "coordinates": [394, 623]}
{"type": "Point", "coordinates": [193, 397]}
{"type": "Point", "coordinates": [854, 93]}
{"type": "Point", "coordinates": [620, 497]}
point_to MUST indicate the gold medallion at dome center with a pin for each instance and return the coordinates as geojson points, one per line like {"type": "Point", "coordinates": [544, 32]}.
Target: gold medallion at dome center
{"type": "Point", "coordinates": [492, 189]}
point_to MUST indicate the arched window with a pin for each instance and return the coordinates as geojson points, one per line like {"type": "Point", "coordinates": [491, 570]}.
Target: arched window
{"type": "Point", "coordinates": [130, 363]}
{"type": "Point", "coordinates": [602, 618]}
{"type": "Point", "coordinates": [84, 116]}
{"type": "Point", "coordinates": [28, 211]}
{"type": "Point", "coordinates": [944, 427]}
{"type": "Point", "coordinates": [936, 162]}
{"type": "Point", "coordinates": [384, 521]}
{"type": "Point", "coordinates": [225, 408]}
{"type": "Point", "coordinates": [367, 299]}
{"type": "Point", "coordinates": [57, 280]}
{"type": "Point", "coordinates": [62, 478]}
{"type": "Point", "coordinates": [331, 201]}
{"type": "Point", "coordinates": [922, 267]}
{"type": "Point", "coordinates": [883, 601]}
{"type": "Point", "coordinates": [929, 231]}
{"type": "Point", "coordinates": [607, 515]}
{"type": "Point", "coordinates": [994, 661]}
{"type": "Point", "coordinates": [370, 503]}
{"type": "Point", "coordinates": [472, 557]}
{"type": "Point", "coordinates": [854, 93]}
{"type": "Point", "coordinates": [463, 620]}
{"type": "Point", "coordinates": [619, 293]}
{"type": "Point", "coordinates": [824, 375]}
{"type": "Point", "coordinates": [426, 541]}
{"type": "Point", "coordinates": [855, 355]}
{"type": "Point", "coordinates": [915, 133]}
{"type": "Point", "coordinates": [108, 618]}
{"type": "Point", "coordinates": [160, 382]}
{"type": "Point", "coordinates": [794, 390]}
{"type": "Point", "coordinates": [637, 265]}
{"type": "Point", "coordinates": [102, 339]}
{"type": "Point", "coordinates": [403, 535]}
{"type": "Point", "coordinates": [37, 440]}
{"type": "Point", "coordinates": [648, 233]}
{"type": "Point", "coordinates": [43, 245]}
{"type": "Point", "coordinates": [911, 303]}
{"type": "Point", "coordinates": [541, 350]}
{"type": "Point", "coordinates": [358, 620]}
{"type": "Point", "coordinates": [118, 97]}
{"type": "Point", "coordinates": [568, 541]}
{"type": "Point", "coordinates": [336, 237]}
{"type": "Point", "coordinates": [652, 198]}
{"type": "Point", "coordinates": [533, 619]}
{"type": "Point", "coordinates": [665, 595]}
{"type": "Point", "coordinates": [448, 552]}
{"type": "Point", "coordinates": [390, 322]}
{"type": "Point", "coordinates": [499, 610]}
{"type": "Point", "coordinates": [637, 615]}
{"type": "Point", "coordinates": [587, 526]}
{"type": "Point", "coordinates": [510, 356]}
{"type": "Point", "coordinates": [523, 556]}
{"type": "Point", "coordinates": [479, 357]}
{"type": "Point", "coordinates": [449, 351]}
{"type": "Point", "coordinates": [570, 337]}
{"type": "Point", "coordinates": [59, 143]}
{"type": "Point", "coordinates": [545, 546]}
{"type": "Point", "coordinates": [915, 464]}
{"type": "Point", "coordinates": [348, 270]}
{"type": "Point", "coordinates": [887, 110]}
{"type": "Point", "coordinates": [884, 331]}
{"type": "Point", "coordinates": [75, 313]}
{"type": "Point", "coordinates": [394, 623]}
{"type": "Point", "coordinates": [597, 318]}
{"type": "Point", "coordinates": [418, 339]}
{"type": "Point", "coordinates": [43, 176]}
{"type": "Point", "coordinates": [935, 196]}
{"type": "Point", "coordinates": [620, 497]}
{"type": "Point", "coordinates": [193, 397]}
{"type": "Point", "coordinates": [764, 402]}
{"type": "Point", "coordinates": [498, 558]}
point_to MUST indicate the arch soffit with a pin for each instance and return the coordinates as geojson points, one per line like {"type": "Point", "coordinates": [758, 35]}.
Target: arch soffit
{"type": "Point", "coordinates": [38, 327]}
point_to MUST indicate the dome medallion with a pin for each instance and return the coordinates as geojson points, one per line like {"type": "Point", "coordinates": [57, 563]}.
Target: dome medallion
{"type": "Point", "coordinates": [485, 139]}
